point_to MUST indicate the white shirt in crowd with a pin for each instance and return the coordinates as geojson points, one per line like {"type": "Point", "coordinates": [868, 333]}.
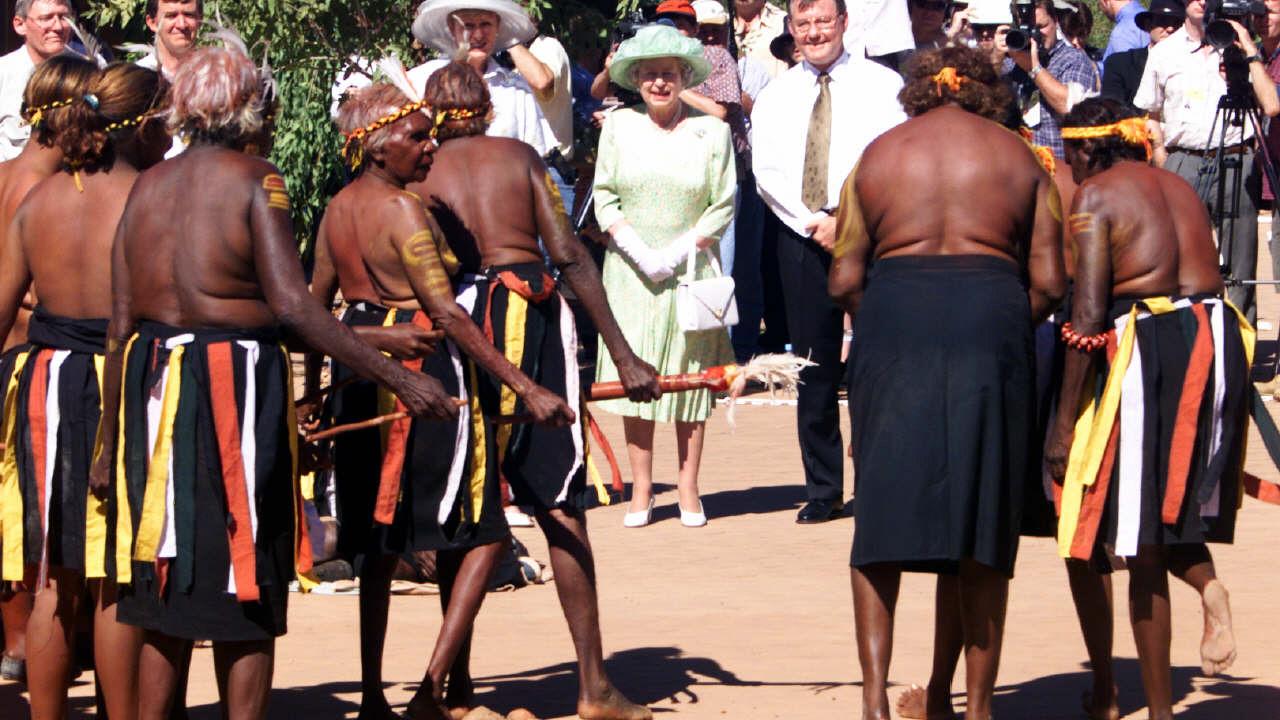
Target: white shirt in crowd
{"type": "Point", "coordinates": [557, 108]}
{"type": "Point", "coordinates": [864, 104]}
{"type": "Point", "coordinates": [515, 111]}
{"type": "Point", "coordinates": [152, 62]}
{"type": "Point", "coordinates": [753, 75]}
{"type": "Point", "coordinates": [878, 27]}
{"type": "Point", "coordinates": [1182, 86]}
{"type": "Point", "coordinates": [15, 70]}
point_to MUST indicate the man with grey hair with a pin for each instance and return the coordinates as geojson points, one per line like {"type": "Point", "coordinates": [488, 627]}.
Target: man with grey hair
{"type": "Point", "coordinates": [45, 26]}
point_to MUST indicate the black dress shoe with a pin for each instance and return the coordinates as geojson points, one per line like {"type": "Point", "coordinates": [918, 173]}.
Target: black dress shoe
{"type": "Point", "coordinates": [819, 511]}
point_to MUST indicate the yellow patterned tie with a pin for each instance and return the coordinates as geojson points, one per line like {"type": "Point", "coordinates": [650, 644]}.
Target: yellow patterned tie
{"type": "Point", "coordinates": [817, 149]}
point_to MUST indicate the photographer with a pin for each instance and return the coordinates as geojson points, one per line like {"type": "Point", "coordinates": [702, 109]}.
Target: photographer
{"type": "Point", "coordinates": [1050, 81]}
{"type": "Point", "coordinates": [1181, 84]}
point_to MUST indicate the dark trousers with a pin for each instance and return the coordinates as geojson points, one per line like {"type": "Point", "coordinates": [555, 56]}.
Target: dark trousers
{"type": "Point", "coordinates": [816, 326]}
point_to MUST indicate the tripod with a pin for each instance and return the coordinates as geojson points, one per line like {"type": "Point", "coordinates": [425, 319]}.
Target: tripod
{"type": "Point", "coordinates": [1235, 108]}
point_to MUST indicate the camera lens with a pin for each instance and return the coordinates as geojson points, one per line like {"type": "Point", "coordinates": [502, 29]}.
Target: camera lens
{"type": "Point", "coordinates": [1219, 34]}
{"type": "Point", "coordinates": [1018, 40]}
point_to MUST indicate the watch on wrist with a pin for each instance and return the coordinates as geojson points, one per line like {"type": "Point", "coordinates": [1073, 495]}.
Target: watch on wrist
{"type": "Point", "coordinates": [1035, 71]}
{"type": "Point", "coordinates": [1256, 57]}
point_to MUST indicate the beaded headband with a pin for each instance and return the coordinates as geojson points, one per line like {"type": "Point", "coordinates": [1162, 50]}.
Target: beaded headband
{"type": "Point", "coordinates": [457, 115]}
{"type": "Point", "coordinates": [949, 78]}
{"type": "Point", "coordinates": [35, 115]}
{"type": "Point", "coordinates": [353, 149]}
{"type": "Point", "coordinates": [1132, 130]}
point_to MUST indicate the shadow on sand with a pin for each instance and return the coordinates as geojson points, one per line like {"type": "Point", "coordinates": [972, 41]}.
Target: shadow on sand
{"type": "Point", "coordinates": [762, 500]}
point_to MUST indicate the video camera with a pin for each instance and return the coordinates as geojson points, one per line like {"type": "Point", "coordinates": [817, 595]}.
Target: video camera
{"type": "Point", "coordinates": [628, 26]}
{"type": "Point", "coordinates": [1025, 29]}
{"type": "Point", "coordinates": [1217, 31]}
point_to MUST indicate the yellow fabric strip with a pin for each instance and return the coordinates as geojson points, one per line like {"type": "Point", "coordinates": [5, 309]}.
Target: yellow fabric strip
{"type": "Point", "coordinates": [124, 512]}
{"type": "Point", "coordinates": [1250, 338]}
{"type": "Point", "coordinates": [10, 492]}
{"type": "Point", "coordinates": [155, 497]}
{"type": "Point", "coordinates": [479, 448]}
{"type": "Point", "coordinates": [95, 531]}
{"type": "Point", "coordinates": [593, 472]}
{"type": "Point", "coordinates": [305, 580]}
{"type": "Point", "coordinates": [513, 348]}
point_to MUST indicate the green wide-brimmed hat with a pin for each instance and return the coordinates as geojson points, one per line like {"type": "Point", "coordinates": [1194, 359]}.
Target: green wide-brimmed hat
{"type": "Point", "coordinates": [658, 41]}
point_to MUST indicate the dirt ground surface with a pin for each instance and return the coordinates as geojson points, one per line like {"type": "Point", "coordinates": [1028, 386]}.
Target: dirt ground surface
{"type": "Point", "coordinates": [751, 617]}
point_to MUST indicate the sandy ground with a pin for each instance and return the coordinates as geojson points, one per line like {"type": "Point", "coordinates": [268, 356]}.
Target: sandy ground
{"type": "Point", "coordinates": [751, 616]}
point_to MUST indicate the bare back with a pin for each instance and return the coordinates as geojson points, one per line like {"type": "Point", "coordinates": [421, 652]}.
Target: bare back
{"type": "Point", "coordinates": [972, 182]}
{"type": "Point", "coordinates": [1160, 236]}
{"type": "Point", "coordinates": [66, 236]}
{"type": "Point", "coordinates": [187, 237]}
{"type": "Point", "coordinates": [346, 222]}
{"type": "Point", "coordinates": [480, 190]}
{"type": "Point", "coordinates": [17, 177]}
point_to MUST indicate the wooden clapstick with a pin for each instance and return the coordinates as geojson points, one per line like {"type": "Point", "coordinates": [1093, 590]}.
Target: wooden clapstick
{"type": "Point", "coordinates": [365, 424]}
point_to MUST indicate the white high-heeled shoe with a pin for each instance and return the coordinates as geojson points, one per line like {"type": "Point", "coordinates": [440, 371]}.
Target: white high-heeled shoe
{"type": "Point", "coordinates": [638, 519]}
{"type": "Point", "coordinates": [693, 519]}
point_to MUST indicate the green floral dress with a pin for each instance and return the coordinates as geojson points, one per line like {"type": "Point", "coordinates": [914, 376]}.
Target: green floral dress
{"type": "Point", "coordinates": [663, 183]}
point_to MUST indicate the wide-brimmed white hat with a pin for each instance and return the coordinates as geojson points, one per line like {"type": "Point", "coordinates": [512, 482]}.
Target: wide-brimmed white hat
{"type": "Point", "coordinates": [710, 12]}
{"type": "Point", "coordinates": [431, 26]}
{"type": "Point", "coordinates": [990, 12]}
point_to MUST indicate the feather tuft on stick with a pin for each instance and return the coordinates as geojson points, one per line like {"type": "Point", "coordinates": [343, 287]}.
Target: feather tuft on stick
{"type": "Point", "coordinates": [92, 46]}
{"type": "Point", "coordinates": [776, 371]}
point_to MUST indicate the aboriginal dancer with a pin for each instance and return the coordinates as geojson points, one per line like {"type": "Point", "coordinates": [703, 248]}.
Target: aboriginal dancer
{"type": "Point", "coordinates": [522, 314]}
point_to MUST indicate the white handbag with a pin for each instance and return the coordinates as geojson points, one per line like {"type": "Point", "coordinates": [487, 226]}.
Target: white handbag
{"type": "Point", "coordinates": [705, 304]}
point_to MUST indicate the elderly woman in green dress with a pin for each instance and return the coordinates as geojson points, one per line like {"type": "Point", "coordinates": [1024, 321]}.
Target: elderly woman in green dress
{"type": "Point", "coordinates": [664, 189]}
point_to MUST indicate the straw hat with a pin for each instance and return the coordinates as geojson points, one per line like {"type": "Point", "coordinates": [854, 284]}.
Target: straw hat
{"type": "Point", "coordinates": [431, 26]}
{"type": "Point", "coordinates": [658, 41]}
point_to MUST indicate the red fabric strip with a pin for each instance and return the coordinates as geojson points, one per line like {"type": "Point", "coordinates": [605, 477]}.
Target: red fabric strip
{"type": "Point", "coordinates": [1095, 501]}
{"type": "Point", "coordinates": [38, 422]}
{"type": "Point", "coordinates": [384, 508]}
{"type": "Point", "coordinates": [1184, 428]}
{"type": "Point", "coordinates": [614, 471]}
{"type": "Point", "coordinates": [521, 287]}
{"type": "Point", "coordinates": [226, 421]}
{"type": "Point", "coordinates": [1264, 490]}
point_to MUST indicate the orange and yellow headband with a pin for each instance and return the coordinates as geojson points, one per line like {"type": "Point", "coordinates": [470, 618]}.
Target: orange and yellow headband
{"type": "Point", "coordinates": [1132, 130]}
{"type": "Point", "coordinates": [949, 78]}
{"type": "Point", "coordinates": [353, 149]}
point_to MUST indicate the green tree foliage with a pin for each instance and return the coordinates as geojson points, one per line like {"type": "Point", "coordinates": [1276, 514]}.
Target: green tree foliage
{"type": "Point", "coordinates": [308, 42]}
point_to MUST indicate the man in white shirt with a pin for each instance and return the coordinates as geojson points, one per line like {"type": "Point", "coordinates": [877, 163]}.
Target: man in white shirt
{"type": "Point", "coordinates": [45, 26]}
{"type": "Point", "coordinates": [488, 26]}
{"type": "Point", "coordinates": [880, 29]}
{"type": "Point", "coordinates": [799, 175]}
{"type": "Point", "coordinates": [1181, 85]}
{"type": "Point", "coordinates": [755, 24]}
{"type": "Point", "coordinates": [176, 24]}
{"type": "Point", "coordinates": [545, 66]}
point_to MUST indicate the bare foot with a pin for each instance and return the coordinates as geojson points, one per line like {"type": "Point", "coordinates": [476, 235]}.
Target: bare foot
{"type": "Point", "coordinates": [611, 705]}
{"type": "Point", "coordinates": [915, 703]}
{"type": "Point", "coordinates": [425, 707]}
{"type": "Point", "coordinates": [1102, 710]}
{"type": "Point", "coordinates": [1218, 648]}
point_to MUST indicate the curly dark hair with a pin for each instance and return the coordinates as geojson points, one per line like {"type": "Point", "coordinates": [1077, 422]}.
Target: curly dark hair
{"type": "Point", "coordinates": [1105, 151]}
{"type": "Point", "coordinates": [60, 82]}
{"type": "Point", "coordinates": [127, 95]}
{"type": "Point", "coordinates": [981, 91]}
{"type": "Point", "coordinates": [457, 86]}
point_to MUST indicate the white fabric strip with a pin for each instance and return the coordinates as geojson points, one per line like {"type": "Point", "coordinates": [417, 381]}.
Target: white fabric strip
{"type": "Point", "coordinates": [1217, 311]}
{"type": "Point", "coordinates": [53, 420]}
{"type": "Point", "coordinates": [461, 448]}
{"type": "Point", "coordinates": [155, 409]}
{"type": "Point", "coordinates": [1132, 428]}
{"type": "Point", "coordinates": [573, 394]}
{"type": "Point", "coordinates": [249, 443]}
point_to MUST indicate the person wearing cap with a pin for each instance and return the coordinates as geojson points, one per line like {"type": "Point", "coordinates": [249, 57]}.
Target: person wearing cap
{"type": "Point", "coordinates": [989, 21]}
{"type": "Point", "coordinates": [931, 27]}
{"type": "Point", "coordinates": [1050, 76]}
{"type": "Point", "coordinates": [756, 24]}
{"type": "Point", "coordinates": [1126, 34]}
{"type": "Point", "coordinates": [1180, 88]}
{"type": "Point", "coordinates": [1122, 71]}
{"type": "Point", "coordinates": [809, 127]}
{"type": "Point", "coordinates": [45, 27]}
{"type": "Point", "coordinates": [664, 188]}
{"type": "Point", "coordinates": [486, 27]}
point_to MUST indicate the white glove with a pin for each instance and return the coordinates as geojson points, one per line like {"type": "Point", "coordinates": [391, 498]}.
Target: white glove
{"type": "Point", "coordinates": [678, 251]}
{"type": "Point", "coordinates": [651, 262]}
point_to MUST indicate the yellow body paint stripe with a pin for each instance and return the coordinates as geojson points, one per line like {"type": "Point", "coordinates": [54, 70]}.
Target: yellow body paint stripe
{"type": "Point", "coordinates": [10, 492]}
{"type": "Point", "coordinates": [155, 498]}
